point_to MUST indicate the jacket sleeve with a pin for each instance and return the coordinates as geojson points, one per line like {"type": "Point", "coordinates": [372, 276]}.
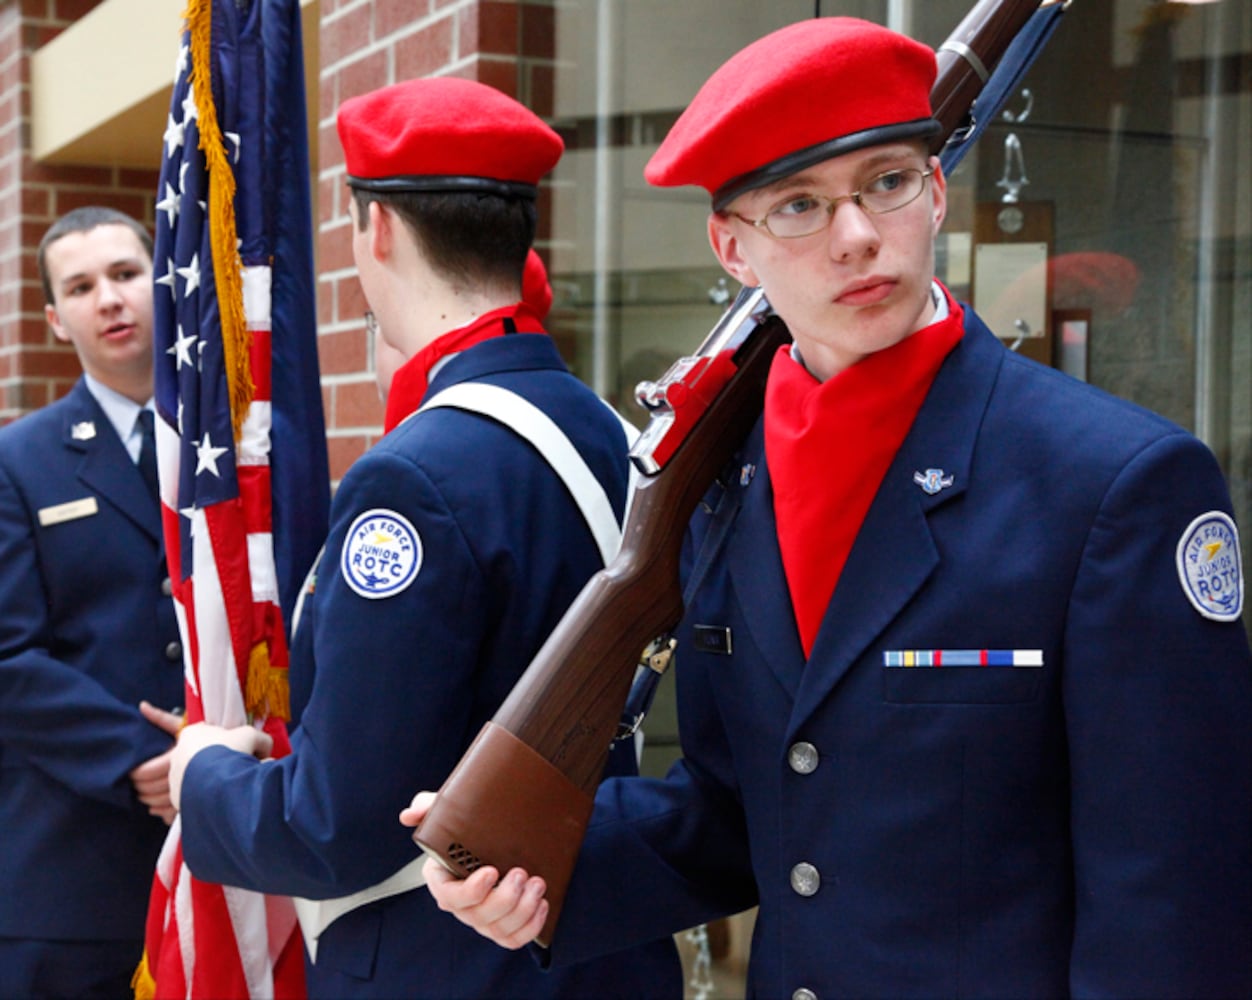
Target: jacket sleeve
{"type": "Point", "coordinates": [54, 716]}
{"type": "Point", "coordinates": [386, 714]}
{"type": "Point", "coordinates": [1158, 706]}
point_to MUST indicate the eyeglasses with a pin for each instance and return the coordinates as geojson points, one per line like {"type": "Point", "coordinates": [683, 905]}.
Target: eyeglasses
{"type": "Point", "coordinates": [806, 214]}
{"type": "Point", "coordinates": [371, 323]}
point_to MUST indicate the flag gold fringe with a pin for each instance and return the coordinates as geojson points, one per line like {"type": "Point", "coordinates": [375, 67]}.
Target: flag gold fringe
{"type": "Point", "coordinates": [142, 982]}
{"type": "Point", "coordinates": [267, 692]}
{"type": "Point", "coordinates": [227, 267]}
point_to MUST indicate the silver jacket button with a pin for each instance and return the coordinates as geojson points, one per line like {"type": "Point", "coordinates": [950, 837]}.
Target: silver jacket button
{"type": "Point", "coordinates": [803, 758]}
{"type": "Point", "coordinates": [805, 879]}
{"type": "Point", "coordinates": [173, 651]}
{"type": "Point", "coordinates": [804, 993]}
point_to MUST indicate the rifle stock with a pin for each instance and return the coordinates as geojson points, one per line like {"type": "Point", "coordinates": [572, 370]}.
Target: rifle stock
{"type": "Point", "coordinates": [522, 794]}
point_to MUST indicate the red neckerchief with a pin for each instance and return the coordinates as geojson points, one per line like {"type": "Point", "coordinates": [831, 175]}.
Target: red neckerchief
{"type": "Point", "coordinates": [410, 381]}
{"type": "Point", "coordinates": [829, 444]}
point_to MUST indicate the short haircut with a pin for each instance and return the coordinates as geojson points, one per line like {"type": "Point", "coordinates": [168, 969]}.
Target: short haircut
{"type": "Point", "coordinates": [83, 220]}
{"type": "Point", "coordinates": [469, 238]}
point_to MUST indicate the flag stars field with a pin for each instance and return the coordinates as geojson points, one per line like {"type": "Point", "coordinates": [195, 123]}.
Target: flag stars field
{"type": "Point", "coordinates": [190, 274]}
{"type": "Point", "coordinates": [167, 279]}
{"type": "Point", "coordinates": [173, 135]}
{"type": "Point", "coordinates": [207, 455]}
{"type": "Point", "coordinates": [170, 203]}
{"type": "Point", "coordinates": [181, 348]}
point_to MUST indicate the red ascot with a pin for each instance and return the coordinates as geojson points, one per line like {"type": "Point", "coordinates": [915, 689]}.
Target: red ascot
{"type": "Point", "coordinates": [409, 384]}
{"type": "Point", "coordinates": [829, 444]}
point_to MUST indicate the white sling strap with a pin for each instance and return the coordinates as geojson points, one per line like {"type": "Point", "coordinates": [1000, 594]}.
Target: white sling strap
{"type": "Point", "coordinates": [315, 915]}
{"type": "Point", "coordinates": [531, 423]}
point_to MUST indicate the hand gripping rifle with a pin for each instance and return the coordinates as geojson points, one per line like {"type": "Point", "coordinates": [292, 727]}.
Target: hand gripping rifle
{"type": "Point", "coordinates": [522, 793]}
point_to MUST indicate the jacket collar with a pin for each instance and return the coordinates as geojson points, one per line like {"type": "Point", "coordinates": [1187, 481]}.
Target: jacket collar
{"type": "Point", "coordinates": [105, 466]}
{"type": "Point", "coordinates": [515, 352]}
{"type": "Point", "coordinates": [894, 552]}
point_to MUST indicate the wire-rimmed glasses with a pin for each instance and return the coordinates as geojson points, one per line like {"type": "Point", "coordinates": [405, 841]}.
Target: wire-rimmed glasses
{"type": "Point", "coordinates": [806, 214]}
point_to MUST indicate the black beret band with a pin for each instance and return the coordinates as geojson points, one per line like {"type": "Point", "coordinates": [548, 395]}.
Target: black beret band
{"type": "Point", "coordinates": [794, 162]}
{"type": "Point", "coordinates": [448, 185]}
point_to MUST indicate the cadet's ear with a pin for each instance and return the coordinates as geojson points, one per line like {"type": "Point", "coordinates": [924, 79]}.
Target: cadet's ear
{"type": "Point", "coordinates": [729, 249]}
{"type": "Point", "coordinates": [54, 321]}
{"type": "Point", "coordinates": [381, 232]}
{"type": "Point", "coordinates": [939, 194]}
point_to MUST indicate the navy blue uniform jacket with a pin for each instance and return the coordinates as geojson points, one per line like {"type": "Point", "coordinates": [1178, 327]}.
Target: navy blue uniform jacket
{"type": "Point", "coordinates": [1079, 828]}
{"type": "Point", "coordinates": [85, 634]}
{"type": "Point", "coordinates": [400, 685]}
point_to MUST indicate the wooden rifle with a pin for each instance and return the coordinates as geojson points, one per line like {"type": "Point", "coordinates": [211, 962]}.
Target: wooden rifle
{"type": "Point", "coordinates": [522, 794]}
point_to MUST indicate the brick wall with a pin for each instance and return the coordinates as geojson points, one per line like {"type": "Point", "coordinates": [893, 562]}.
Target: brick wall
{"type": "Point", "coordinates": [35, 368]}
{"type": "Point", "coordinates": [363, 45]}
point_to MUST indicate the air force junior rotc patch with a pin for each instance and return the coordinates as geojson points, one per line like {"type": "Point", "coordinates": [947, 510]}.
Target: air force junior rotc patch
{"type": "Point", "coordinates": [381, 555]}
{"type": "Point", "coordinates": [1209, 566]}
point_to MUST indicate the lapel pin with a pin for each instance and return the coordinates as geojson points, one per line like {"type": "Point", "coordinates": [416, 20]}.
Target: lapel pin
{"type": "Point", "coordinates": [932, 481]}
{"type": "Point", "coordinates": [746, 474]}
{"type": "Point", "coordinates": [85, 430]}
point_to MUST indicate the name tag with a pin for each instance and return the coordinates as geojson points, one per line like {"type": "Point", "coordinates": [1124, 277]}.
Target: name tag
{"type": "Point", "coordinates": [70, 511]}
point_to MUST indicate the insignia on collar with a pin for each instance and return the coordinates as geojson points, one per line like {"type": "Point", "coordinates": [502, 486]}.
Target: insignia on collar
{"type": "Point", "coordinates": [84, 430]}
{"type": "Point", "coordinates": [1209, 566]}
{"type": "Point", "coordinates": [932, 481]}
{"type": "Point", "coordinates": [381, 555]}
{"type": "Point", "coordinates": [746, 474]}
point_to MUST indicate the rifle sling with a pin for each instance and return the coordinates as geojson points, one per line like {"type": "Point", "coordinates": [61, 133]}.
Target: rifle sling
{"type": "Point", "coordinates": [643, 689]}
{"type": "Point", "coordinates": [536, 427]}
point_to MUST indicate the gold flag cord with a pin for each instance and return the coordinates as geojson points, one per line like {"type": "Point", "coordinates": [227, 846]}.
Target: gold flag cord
{"type": "Point", "coordinates": [227, 268]}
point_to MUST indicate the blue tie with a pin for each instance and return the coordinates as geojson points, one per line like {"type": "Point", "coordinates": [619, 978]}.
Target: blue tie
{"type": "Point", "coordinates": [147, 451]}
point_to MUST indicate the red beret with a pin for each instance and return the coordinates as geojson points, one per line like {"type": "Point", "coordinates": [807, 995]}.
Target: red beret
{"type": "Point", "coordinates": [445, 134]}
{"type": "Point", "coordinates": [536, 292]}
{"type": "Point", "coordinates": [812, 90]}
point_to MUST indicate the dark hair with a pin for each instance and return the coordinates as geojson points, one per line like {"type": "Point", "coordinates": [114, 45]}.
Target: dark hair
{"type": "Point", "coordinates": [83, 220]}
{"type": "Point", "coordinates": [468, 238]}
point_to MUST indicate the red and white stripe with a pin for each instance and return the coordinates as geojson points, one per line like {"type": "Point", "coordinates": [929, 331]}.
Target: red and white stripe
{"type": "Point", "coordinates": [250, 941]}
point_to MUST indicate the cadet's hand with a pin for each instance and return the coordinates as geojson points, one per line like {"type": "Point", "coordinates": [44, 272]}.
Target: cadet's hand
{"type": "Point", "coordinates": [510, 911]}
{"type": "Point", "coordinates": [171, 722]}
{"type": "Point", "coordinates": [417, 809]}
{"type": "Point", "coordinates": [152, 785]}
{"type": "Point", "coordinates": [151, 778]}
{"type": "Point", "coordinates": [193, 739]}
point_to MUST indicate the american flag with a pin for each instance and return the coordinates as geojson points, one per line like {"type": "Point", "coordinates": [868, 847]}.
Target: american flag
{"type": "Point", "coordinates": [240, 444]}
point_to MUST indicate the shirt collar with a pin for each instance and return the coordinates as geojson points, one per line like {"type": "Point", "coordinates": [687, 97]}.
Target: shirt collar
{"type": "Point", "coordinates": [121, 410]}
{"type": "Point", "coordinates": [941, 313]}
{"type": "Point", "coordinates": [941, 302]}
